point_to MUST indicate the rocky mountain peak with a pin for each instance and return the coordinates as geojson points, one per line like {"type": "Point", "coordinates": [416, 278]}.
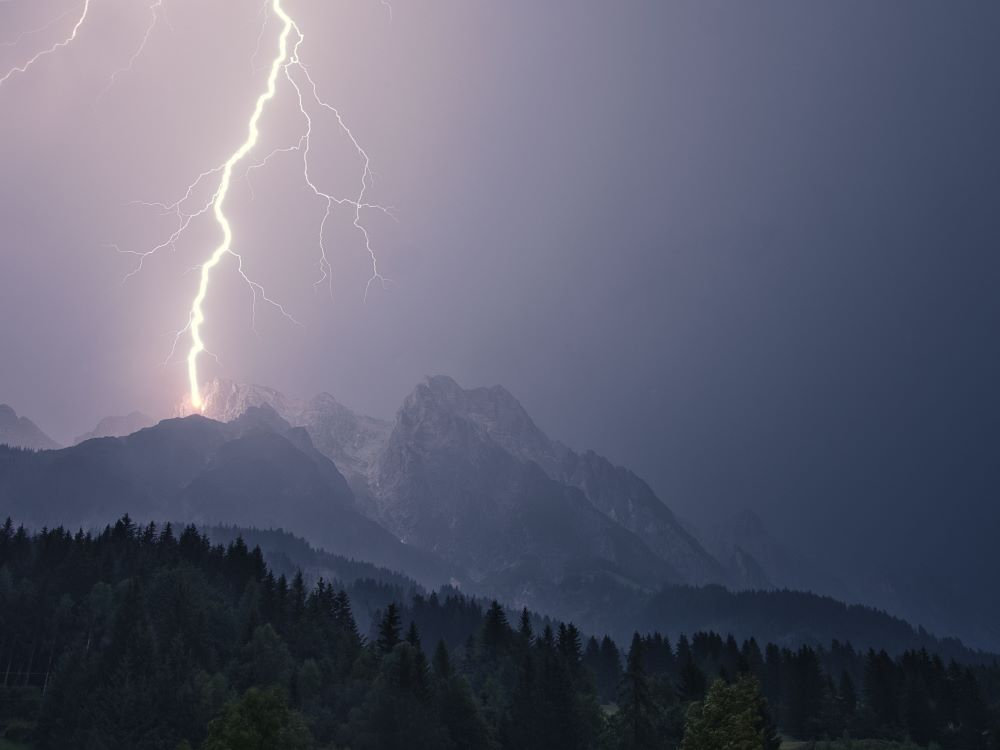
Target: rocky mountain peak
{"type": "Point", "coordinates": [352, 441]}
{"type": "Point", "coordinates": [492, 410]}
{"type": "Point", "coordinates": [226, 400]}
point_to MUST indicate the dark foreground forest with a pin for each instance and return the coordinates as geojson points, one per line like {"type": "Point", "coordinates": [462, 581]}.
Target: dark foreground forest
{"type": "Point", "coordinates": [141, 638]}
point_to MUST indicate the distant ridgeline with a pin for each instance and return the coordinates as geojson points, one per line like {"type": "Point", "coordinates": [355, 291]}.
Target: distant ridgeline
{"type": "Point", "coordinates": [787, 618]}
{"type": "Point", "coordinates": [154, 637]}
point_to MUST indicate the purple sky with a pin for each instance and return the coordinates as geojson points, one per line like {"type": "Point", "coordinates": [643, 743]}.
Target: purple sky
{"type": "Point", "coordinates": [748, 249]}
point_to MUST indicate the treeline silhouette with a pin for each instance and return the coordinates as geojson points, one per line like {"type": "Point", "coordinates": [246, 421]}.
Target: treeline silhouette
{"type": "Point", "coordinates": [140, 637]}
{"type": "Point", "coordinates": [780, 615]}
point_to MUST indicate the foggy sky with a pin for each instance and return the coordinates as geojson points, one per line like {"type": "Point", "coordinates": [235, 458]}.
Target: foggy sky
{"type": "Point", "coordinates": [747, 249]}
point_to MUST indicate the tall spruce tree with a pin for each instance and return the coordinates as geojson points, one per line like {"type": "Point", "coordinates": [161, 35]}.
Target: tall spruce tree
{"type": "Point", "coordinates": [388, 630]}
{"type": "Point", "coordinates": [635, 719]}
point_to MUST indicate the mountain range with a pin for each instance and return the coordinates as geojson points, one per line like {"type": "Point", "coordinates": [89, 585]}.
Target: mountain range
{"type": "Point", "coordinates": [467, 475]}
{"type": "Point", "coordinates": [470, 459]}
{"type": "Point", "coordinates": [461, 487]}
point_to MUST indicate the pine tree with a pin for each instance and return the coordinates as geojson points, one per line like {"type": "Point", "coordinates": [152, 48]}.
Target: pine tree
{"type": "Point", "coordinates": [524, 728]}
{"type": "Point", "coordinates": [297, 598]}
{"type": "Point", "coordinates": [496, 631]}
{"type": "Point", "coordinates": [880, 688]}
{"type": "Point", "coordinates": [847, 695]}
{"type": "Point", "coordinates": [442, 662]}
{"type": "Point", "coordinates": [804, 701]}
{"type": "Point", "coordinates": [692, 683]}
{"type": "Point", "coordinates": [772, 683]}
{"type": "Point", "coordinates": [569, 646]}
{"type": "Point", "coordinates": [342, 615]}
{"type": "Point", "coordinates": [636, 710]}
{"type": "Point", "coordinates": [413, 635]}
{"type": "Point", "coordinates": [609, 671]}
{"type": "Point", "coordinates": [388, 630]}
{"type": "Point", "coordinates": [525, 630]}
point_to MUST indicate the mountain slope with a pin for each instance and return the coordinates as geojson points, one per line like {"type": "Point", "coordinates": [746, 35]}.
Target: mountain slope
{"type": "Point", "coordinates": [626, 498]}
{"type": "Point", "coordinates": [21, 432]}
{"type": "Point", "coordinates": [352, 441]}
{"type": "Point", "coordinates": [453, 423]}
{"type": "Point", "coordinates": [442, 483]}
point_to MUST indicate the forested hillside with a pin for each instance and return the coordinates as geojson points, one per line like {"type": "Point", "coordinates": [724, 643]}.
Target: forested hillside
{"type": "Point", "coordinates": [146, 637]}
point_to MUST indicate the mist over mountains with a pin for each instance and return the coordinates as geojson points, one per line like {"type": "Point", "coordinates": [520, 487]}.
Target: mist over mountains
{"type": "Point", "coordinates": [117, 426]}
{"type": "Point", "coordinates": [21, 432]}
{"type": "Point", "coordinates": [462, 487]}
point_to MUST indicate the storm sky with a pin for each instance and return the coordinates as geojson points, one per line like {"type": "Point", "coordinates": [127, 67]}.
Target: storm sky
{"type": "Point", "coordinates": [748, 249]}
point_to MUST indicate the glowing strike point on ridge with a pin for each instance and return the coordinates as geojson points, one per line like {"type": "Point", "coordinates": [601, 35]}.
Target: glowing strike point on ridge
{"type": "Point", "coordinates": [197, 317]}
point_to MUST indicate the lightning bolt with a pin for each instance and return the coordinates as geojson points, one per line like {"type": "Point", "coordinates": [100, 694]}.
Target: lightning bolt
{"type": "Point", "coordinates": [26, 66]}
{"type": "Point", "coordinates": [287, 65]}
{"type": "Point", "coordinates": [197, 318]}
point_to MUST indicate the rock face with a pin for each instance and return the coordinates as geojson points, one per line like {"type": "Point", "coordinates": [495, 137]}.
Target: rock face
{"type": "Point", "coordinates": [21, 432]}
{"type": "Point", "coordinates": [117, 426]}
{"type": "Point", "coordinates": [445, 484]}
{"type": "Point", "coordinates": [352, 441]}
{"type": "Point", "coordinates": [440, 417]}
{"type": "Point", "coordinates": [226, 401]}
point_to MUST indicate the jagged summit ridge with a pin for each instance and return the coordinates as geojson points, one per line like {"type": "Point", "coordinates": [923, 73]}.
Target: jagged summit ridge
{"type": "Point", "coordinates": [498, 413]}
{"type": "Point", "coordinates": [352, 441]}
{"type": "Point", "coordinates": [227, 400]}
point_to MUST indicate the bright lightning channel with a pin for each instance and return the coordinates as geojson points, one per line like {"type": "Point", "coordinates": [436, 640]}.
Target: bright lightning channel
{"type": "Point", "coordinates": [197, 317]}
{"type": "Point", "coordinates": [287, 59]}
